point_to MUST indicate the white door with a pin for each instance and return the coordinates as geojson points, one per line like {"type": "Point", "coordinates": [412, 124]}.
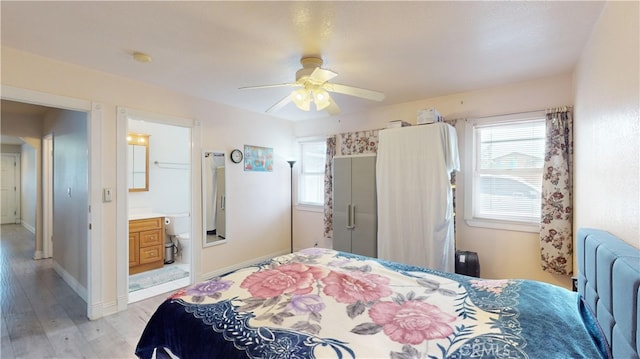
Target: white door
{"type": "Point", "coordinates": [10, 185]}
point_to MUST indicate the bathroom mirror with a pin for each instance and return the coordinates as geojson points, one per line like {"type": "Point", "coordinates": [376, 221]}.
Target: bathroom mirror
{"type": "Point", "coordinates": [138, 164]}
{"type": "Point", "coordinates": [214, 199]}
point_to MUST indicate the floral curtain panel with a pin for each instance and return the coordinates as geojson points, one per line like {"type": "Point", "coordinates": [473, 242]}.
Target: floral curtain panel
{"type": "Point", "coordinates": [355, 143]}
{"type": "Point", "coordinates": [328, 181]}
{"type": "Point", "coordinates": [351, 143]}
{"type": "Point", "coordinates": [556, 237]}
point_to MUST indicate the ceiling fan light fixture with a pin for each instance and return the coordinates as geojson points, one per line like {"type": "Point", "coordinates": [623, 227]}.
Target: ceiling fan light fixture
{"type": "Point", "coordinates": [312, 83]}
{"type": "Point", "coordinates": [322, 99]}
{"type": "Point", "coordinates": [301, 98]}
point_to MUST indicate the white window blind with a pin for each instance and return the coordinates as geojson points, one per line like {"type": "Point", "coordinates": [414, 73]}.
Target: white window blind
{"type": "Point", "coordinates": [508, 158]}
{"type": "Point", "coordinates": [311, 180]}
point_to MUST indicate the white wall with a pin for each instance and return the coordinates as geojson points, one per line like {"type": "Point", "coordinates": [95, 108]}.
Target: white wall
{"type": "Point", "coordinates": [169, 185]}
{"type": "Point", "coordinates": [502, 253]}
{"type": "Point", "coordinates": [258, 203]}
{"type": "Point", "coordinates": [607, 125]}
{"type": "Point", "coordinates": [70, 192]}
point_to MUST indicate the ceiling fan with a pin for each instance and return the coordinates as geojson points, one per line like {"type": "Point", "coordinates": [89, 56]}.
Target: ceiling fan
{"type": "Point", "coordinates": [312, 83]}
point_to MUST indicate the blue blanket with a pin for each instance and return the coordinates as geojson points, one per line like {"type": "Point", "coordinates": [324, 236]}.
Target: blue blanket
{"type": "Point", "coordinates": [319, 303]}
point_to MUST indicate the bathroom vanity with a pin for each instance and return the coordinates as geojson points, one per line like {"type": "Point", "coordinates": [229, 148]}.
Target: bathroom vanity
{"type": "Point", "coordinates": [146, 244]}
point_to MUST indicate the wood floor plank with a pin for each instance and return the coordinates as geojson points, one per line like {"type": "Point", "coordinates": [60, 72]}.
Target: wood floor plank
{"type": "Point", "coordinates": [112, 345]}
{"type": "Point", "coordinates": [6, 350]}
{"type": "Point", "coordinates": [70, 343]}
{"type": "Point", "coordinates": [42, 317]}
{"type": "Point", "coordinates": [27, 336]}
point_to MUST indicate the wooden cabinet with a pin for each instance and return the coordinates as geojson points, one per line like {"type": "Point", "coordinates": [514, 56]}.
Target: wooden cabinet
{"type": "Point", "coordinates": [146, 244]}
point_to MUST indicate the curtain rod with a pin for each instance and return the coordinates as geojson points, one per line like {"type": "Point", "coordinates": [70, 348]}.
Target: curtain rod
{"type": "Point", "coordinates": [547, 110]}
{"type": "Point", "coordinates": [502, 114]}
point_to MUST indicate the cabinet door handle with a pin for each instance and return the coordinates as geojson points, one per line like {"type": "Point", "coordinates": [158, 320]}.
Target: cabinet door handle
{"type": "Point", "coordinates": [353, 216]}
{"type": "Point", "coordinates": [349, 219]}
{"type": "Point", "coordinates": [222, 202]}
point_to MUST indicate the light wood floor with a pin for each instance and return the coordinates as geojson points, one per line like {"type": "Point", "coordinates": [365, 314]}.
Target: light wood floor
{"type": "Point", "coordinates": [42, 317]}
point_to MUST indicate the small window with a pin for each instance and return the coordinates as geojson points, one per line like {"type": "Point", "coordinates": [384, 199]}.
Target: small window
{"type": "Point", "coordinates": [505, 179]}
{"type": "Point", "coordinates": [311, 180]}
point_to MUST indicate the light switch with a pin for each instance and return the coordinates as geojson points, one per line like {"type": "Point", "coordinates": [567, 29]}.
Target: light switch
{"type": "Point", "coordinates": [106, 195]}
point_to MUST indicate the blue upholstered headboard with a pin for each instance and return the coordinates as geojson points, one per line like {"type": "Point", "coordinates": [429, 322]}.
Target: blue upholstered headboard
{"type": "Point", "coordinates": [609, 282]}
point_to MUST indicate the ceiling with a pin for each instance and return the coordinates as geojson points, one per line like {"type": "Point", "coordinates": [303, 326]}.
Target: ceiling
{"type": "Point", "coordinates": [19, 108]}
{"type": "Point", "coordinates": [409, 50]}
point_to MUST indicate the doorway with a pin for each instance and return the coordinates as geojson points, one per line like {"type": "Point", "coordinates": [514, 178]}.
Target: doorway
{"type": "Point", "coordinates": [86, 280]}
{"type": "Point", "coordinates": [167, 194]}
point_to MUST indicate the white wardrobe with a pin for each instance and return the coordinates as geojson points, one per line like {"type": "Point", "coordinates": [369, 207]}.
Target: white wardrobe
{"type": "Point", "coordinates": [355, 205]}
{"type": "Point", "coordinates": [415, 199]}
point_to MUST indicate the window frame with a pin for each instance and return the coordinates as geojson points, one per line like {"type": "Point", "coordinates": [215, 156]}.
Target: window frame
{"type": "Point", "coordinates": [310, 206]}
{"type": "Point", "coordinates": [470, 169]}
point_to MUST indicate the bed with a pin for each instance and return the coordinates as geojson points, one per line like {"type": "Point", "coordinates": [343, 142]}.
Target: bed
{"type": "Point", "coordinates": [320, 303]}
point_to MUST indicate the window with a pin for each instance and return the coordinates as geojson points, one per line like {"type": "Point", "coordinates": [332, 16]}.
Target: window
{"type": "Point", "coordinates": [311, 180]}
{"type": "Point", "coordinates": [506, 173]}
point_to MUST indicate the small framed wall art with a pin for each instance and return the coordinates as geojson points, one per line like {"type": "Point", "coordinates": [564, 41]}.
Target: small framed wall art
{"type": "Point", "coordinates": [259, 159]}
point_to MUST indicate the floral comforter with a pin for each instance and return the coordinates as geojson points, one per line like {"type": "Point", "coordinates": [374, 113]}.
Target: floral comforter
{"type": "Point", "coordinates": [320, 303]}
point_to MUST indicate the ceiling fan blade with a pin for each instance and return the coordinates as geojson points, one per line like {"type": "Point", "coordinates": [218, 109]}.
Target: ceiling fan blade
{"type": "Point", "coordinates": [320, 75]}
{"type": "Point", "coordinates": [333, 108]}
{"type": "Point", "coordinates": [291, 84]}
{"type": "Point", "coordinates": [354, 91]}
{"type": "Point", "coordinates": [280, 104]}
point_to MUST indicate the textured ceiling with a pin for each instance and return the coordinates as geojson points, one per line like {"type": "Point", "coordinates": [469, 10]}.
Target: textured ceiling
{"type": "Point", "coordinates": [408, 50]}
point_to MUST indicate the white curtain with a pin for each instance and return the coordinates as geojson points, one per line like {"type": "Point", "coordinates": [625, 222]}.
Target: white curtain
{"type": "Point", "coordinates": [415, 200]}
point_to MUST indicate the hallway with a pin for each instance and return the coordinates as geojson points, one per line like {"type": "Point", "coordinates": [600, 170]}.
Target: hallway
{"type": "Point", "coordinates": [42, 317]}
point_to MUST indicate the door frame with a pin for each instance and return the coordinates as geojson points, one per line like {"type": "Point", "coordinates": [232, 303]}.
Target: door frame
{"type": "Point", "coordinates": [122, 221]}
{"type": "Point", "coordinates": [93, 293]}
{"type": "Point", "coordinates": [47, 196]}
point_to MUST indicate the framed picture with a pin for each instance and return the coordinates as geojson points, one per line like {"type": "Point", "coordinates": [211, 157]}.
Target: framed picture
{"type": "Point", "coordinates": [258, 159]}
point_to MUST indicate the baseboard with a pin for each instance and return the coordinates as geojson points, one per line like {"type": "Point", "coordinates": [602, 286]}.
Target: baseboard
{"type": "Point", "coordinates": [122, 301]}
{"type": "Point", "coordinates": [71, 281]}
{"type": "Point", "coordinates": [28, 227]}
{"type": "Point", "coordinates": [96, 311]}
{"type": "Point", "coordinates": [37, 254]}
{"type": "Point", "coordinates": [110, 308]}
{"type": "Point", "coordinates": [221, 271]}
